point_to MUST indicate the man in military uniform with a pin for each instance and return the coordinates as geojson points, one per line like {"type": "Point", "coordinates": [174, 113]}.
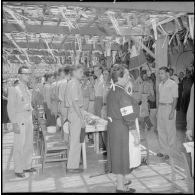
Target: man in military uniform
{"type": "Point", "coordinates": [166, 116]}
{"type": "Point", "coordinates": [20, 113]}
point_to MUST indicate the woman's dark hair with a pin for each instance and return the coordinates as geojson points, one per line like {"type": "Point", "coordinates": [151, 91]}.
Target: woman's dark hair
{"type": "Point", "coordinates": [87, 73]}
{"type": "Point", "coordinates": [47, 76]}
{"type": "Point", "coordinates": [117, 71]}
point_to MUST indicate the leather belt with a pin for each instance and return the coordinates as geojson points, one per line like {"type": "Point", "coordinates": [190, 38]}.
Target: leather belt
{"type": "Point", "coordinates": [165, 104]}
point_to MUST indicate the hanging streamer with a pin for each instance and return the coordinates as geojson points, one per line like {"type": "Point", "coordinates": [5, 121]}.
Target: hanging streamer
{"type": "Point", "coordinates": [191, 25]}
{"type": "Point", "coordinates": [20, 22]}
{"type": "Point", "coordinates": [165, 40]}
{"type": "Point", "coordinates": [114, 21]}
{"type": "Point", "coordinates": [69, 23]}
{"type": "Point", "coordinates": [154, 26]}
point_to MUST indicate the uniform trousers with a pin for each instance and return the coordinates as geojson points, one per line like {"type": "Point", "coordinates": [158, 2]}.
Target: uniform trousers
{"type": "Point", "coordinates": [166, 129]}
{"type": "Point", "coordinates": [75, 145]}
{"type": "Point", "coordinates": [153, 118]}
{"type": "Point", "coordinates": [23, 143]}
{"type": "Point", "coordinates": [63, 117]}
{"type": "Point", "coordinates": [98, 105]}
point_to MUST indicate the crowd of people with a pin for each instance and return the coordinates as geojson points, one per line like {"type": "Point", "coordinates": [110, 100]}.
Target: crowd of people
{"type": "Point", "coordinates": [107, 93]}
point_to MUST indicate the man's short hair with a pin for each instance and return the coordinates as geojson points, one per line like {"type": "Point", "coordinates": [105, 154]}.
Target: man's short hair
{"type": "Point", "coordinates": [98, 66]}
{"type": "Point", "coordinates": [170, 69]}
{"type": "Point", "coordinates": [20, 70]}
{"type": "Point", "coordinates": [164, 68]}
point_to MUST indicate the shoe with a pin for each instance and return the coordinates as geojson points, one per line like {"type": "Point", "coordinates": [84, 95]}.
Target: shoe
{"type": "Point", "coordinates": [160, 155]}
{"type": "Point", "coordinates": [128, 182]}
{"type": "Point", "coordinates": [30, 170]}
{"type": "Point", "coordinates": [74, 170]}
{"type": "Point", "coordinates": [21, 175]}
{"type": "Point", "coordinates": [130, 190]}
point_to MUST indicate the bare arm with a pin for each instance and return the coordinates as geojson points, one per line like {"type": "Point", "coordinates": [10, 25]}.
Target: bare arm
{"type": "Point", "coordinates": [174, 104]}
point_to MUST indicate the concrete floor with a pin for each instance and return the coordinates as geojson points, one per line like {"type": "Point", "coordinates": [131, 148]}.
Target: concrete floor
{"type": "Point", "coordinates": [146, 179]}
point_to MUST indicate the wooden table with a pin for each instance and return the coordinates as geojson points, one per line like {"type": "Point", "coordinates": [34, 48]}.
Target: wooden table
{"type": "Point", "coordinates": [101, 126]}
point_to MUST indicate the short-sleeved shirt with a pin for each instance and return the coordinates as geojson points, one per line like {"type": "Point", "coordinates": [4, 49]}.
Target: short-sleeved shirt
{"type": "Point", "coordinates": [74, 93]}
{"type": "Point", "coordinates": [62, 87]}
{"type": "Point", "coordinates": [99, 85]}
{"type": "Point", "coordinates": [168, 91]}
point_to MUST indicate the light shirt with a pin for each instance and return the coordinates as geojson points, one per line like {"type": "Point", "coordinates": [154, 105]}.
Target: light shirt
{"type": "Point", "coordinates": [19, 102]}
{"type": "Point", "coordinates": [175, 78]}
{"type": "Point", "coordinates": [47, 94]}
{"type": "Point", "coordinates": [62, 87]}
{"type": "Point", "coordinates": [168, 91]}
{"type": "Point", "coordinates": [74, 93]}
{"type": "Point", "coordinates": [99, 87]}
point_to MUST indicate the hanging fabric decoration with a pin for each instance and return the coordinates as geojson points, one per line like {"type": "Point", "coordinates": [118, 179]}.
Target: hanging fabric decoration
{"type": "Point", "coordinates": [78, 41]}
{"type": "Point", "coordinates": [186, 37]}
{"type": "Point", "coordinates": [191, 25]}
{"type": "Point", "coordinates": [165, 40]}
{"type": "Point", "coordinates": [25, 53]}
{"type": "Point", "coordinates": [11, 39]}
{"type": "Point", "coordinates": [48, 48]}
{"type": "Point", "coordinates": [114, 21]}
{"type": "Point", "coordinates": [108, 47]}
{"type": "Point", "coordinates": [69, 23]}
{"type": "Point", "coordinates": [11, 12]}
{"type": "Point", "coordinates": [21, 61]}
{"type": "Point", "coordinates": [94, 44]}
{"type": "Point", "coordinates": [124, 40]}
{"type": "Point", "coordinates": [154, 26]}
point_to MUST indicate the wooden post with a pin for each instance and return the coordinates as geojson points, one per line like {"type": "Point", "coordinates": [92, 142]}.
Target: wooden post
{"type": "Point", "coordinates": [161, 56]}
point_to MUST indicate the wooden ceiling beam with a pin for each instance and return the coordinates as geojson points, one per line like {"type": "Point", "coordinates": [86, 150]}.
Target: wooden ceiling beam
{"type": "Point", "coordinates": [139, 6]}
{"type": "Point", "coordinates": [12, 27]}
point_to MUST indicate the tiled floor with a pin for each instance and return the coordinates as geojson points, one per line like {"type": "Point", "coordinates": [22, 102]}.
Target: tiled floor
{"type": "Point", "coordinates": [146, 179]}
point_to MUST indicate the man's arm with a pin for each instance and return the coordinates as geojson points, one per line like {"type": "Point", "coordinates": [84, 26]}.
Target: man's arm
{"type": "Point", "coordinates": [11, 104]}
{"type": "Point", "coordinates": [174, 104]}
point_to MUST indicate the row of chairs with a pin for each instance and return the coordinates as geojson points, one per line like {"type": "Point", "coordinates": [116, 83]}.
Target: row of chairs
{"type": "Point", "coordinates": [51, 147]}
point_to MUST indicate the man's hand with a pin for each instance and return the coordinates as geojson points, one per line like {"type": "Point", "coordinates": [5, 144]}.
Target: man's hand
{"type": "Point", "coordinates": [16, 128]}
{"type": "Point", "coordinates": [136, 137]}
{"type": "Point", "coordinates": [171, 115]}
{"type": "Point", "coordinates": [189, 134]}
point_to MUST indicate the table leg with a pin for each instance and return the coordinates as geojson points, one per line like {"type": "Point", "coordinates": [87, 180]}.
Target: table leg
{"type": "Point", "coordinates": [97, 143]}
{"type": "Point", "coordinates": [83, 145]}
{"type": "Point", "coordinates": [192, 156]}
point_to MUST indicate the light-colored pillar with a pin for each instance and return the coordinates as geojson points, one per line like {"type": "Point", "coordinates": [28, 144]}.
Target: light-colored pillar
{"type": "Point", "coordinates": [161, 54]}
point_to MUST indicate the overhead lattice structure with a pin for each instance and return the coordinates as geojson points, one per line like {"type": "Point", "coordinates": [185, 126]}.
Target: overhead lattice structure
{"type": "Point", "coordinates": [46, 32]}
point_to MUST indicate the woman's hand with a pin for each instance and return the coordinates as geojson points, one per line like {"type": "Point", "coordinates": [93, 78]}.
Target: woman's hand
{"type": "Point", "coordinates": [189, 135]}
{"type": "Point", "coordinates": [136, 137]}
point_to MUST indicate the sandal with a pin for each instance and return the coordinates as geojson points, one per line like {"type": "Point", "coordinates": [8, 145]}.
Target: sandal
{"type": "Point", "coordinates": [130, 190]}
{"type": "Point", "coordinates": [128, 182]}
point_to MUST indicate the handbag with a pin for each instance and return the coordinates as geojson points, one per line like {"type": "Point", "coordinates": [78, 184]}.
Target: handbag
{"type": "Point", "coordinates": [82, 135]}
{"type": "Point", "coordinates": [148, 122]}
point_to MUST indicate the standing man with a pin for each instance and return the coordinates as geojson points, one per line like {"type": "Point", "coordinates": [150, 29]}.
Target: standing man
{"type": "Point", "coordinates": [173, 76]}
{"type": "Point", "coordinates": [166, 116]}
{"type": "Point", "coordinates": [20, 113]}
{"type": "Point", "coordinates": [65, 77]}
{"type": "Point", "coordinates": [98, 102]}
{"type": "Point", "coordinates": [74, 102]}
